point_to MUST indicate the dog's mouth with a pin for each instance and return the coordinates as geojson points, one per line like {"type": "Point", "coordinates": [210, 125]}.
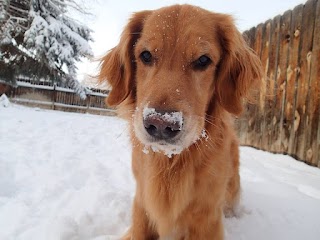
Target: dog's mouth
{"type": "Point", "coordinates": [164, 148]}
{"type": "Point", "coordinates": [165, 132]}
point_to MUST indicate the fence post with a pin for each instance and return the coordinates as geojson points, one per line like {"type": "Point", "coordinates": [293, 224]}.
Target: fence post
{"type": "Point", "coordinates": [54, 96]}
{"type": "Point", "coordinates": [12, 92]}
{"type": "Point", "coordinates": [88, 102]}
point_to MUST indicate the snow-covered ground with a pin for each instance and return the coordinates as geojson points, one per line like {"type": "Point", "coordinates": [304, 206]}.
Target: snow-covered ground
{"type": "Point", "coordinates": [67, 176]}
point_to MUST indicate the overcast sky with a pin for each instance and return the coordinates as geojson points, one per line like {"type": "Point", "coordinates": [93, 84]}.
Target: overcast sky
{"type": "Point", "coordinates": [110, 17]}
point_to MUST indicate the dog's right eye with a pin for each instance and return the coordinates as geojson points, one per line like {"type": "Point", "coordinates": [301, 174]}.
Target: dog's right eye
{"type": "Point", "coordinates": [202, 62]}
{"type": "Point", "coordinates": [146, 57]}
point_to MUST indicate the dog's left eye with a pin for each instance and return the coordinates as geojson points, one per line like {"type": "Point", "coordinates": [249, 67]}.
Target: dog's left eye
{"type": "Point", "coordinates": [202, 62]}
{"type": "Point", "coordinates": [146, 57]}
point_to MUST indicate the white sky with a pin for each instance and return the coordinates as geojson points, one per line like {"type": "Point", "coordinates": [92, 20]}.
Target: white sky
{"type": "Point", "coordinates": [111, 16]}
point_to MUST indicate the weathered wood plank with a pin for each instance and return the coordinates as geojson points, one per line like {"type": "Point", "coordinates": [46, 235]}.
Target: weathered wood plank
{"type": "Point", "coordinates": [264, 56]}
{"type": "Point", "coordinates": [304, 76]}
{"type": "Point", "coordinates": [272, 80]}
{"type": "Point", "coordinates": [249, 36]}
{"type": "Point", "coordinates": [291, 118]}
{"type": "Point", "coordinates": [280, 92]}
{"type": "Point", "coordinates": [255, 117]}
{"type": "Point", "coordinates": [313, 96]}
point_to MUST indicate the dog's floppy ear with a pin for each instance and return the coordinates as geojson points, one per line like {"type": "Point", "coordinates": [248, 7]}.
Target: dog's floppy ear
{"type": "Point", "coordinates": [118, 65]}
{"type": "Point", "coordinates": [239, 69]}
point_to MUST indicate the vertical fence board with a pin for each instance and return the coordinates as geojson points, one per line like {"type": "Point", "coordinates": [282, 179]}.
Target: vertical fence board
{"type": "Point", "coordinates": [54, 96]}
{"type": "Point", "coordinates": [252, 117]}
{"type": "Point", "coordinates": [303, 78]}
{"type": "Point", "coordinates": [263, 140]}
{"type": "Point", "coordinates": [257, 47]}
{"type": "Point", "coordinates": [280, 92]}
{"type": "Point", "coordinates": [291, 119]}
{"type": "Point", "coordinates": [272, 81]}
{"type": "Point", "coordinates": [313, 108]}
{"type": "Point", "coordinates": [249, 114]}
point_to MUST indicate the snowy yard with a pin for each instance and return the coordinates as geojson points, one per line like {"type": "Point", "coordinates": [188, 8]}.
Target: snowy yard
{"type": "Point", "coordinates": [67, 176]}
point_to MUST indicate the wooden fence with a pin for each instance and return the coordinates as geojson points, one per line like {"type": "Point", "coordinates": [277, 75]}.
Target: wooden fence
{"type": "Point", "coordinates": [286, 118]}
{"type": "Point", "coordinates": [50, 96]}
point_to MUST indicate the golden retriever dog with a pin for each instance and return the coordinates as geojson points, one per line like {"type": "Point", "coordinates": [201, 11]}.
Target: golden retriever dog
{"type": "Point", "coordinates": [178, 76]}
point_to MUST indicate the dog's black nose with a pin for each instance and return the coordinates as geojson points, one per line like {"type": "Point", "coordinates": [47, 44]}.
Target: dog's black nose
{"type": "Point", "coordinates": [163, 126]}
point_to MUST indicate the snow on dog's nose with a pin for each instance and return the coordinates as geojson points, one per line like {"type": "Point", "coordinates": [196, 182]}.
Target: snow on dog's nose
{"type": "Point", "coordinates": [162, 125]}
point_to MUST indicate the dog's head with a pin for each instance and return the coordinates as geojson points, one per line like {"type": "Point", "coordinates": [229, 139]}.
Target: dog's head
{"type": "Point", "coordinates": [172, 66]}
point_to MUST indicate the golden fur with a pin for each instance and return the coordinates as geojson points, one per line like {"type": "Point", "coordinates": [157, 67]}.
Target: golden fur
{"type": "Point", "coordinates": [182, 196]}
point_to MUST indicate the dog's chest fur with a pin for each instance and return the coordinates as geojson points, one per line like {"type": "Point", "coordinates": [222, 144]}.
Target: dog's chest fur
{"type": "Point", "coordinates": [168, 193]}
{"type": "Point", "coordinates": [166, 187]}
{"type": "Point", "coordinates": [169, 188]}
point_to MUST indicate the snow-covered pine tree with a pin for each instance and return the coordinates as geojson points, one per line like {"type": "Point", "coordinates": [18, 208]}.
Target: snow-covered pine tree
{"type": "Point", "coordinates": [14, 21]}
{"type": "Point", "coordinates": [57, 39]}
{"type": "Point", "coordinates": [53, 39]}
